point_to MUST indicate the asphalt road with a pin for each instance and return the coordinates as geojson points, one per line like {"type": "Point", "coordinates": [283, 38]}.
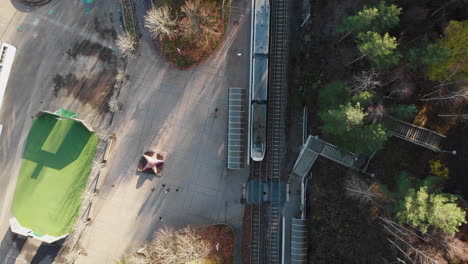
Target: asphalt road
{"type": "Point", "coordinates": [66, 57]}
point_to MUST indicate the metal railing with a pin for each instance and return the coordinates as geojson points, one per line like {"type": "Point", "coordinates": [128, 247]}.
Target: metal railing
{"type": "Point", "coordinates": [415, 134]}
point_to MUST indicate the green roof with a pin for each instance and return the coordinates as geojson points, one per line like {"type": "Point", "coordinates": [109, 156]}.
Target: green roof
{"type": "Point", "coordinates": [54, 171]}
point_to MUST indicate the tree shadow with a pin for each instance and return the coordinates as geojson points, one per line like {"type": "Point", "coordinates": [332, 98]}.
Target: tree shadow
{"type": "Point", "coordinates": [151, 201]}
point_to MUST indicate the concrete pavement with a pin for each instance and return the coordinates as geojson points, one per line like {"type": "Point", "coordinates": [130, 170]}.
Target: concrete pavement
{"type": "Point", "coordinates": [67, 59]}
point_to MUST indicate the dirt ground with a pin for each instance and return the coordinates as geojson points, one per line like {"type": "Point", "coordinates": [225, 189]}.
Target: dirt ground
{"type": "Point", "coordinates": [222, 236]}
{"type": "Point", "coordinates": [341, 231]}
{"type": "Point", "coordinates": [91, 79]}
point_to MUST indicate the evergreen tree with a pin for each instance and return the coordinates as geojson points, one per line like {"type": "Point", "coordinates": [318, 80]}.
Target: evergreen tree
{"type": "Point", "coordinates": [363, 98]}
{"type": "Point", "coordinates": [455, 68]}
{"type": "Point", "coordinates": [381, 50]}
{"type": "Point", "coordinates": [332, 95]}
{"type": "Point", "coordinates": [422, 58]}
{"type": "Point", "coordinates": [346, 125]}
{"type": "Point", "coordinates": [379, 18]}
{"type": "Point", "coordinates": [422, 210]}
{"type": "Point", "coordinates": [404, 112]}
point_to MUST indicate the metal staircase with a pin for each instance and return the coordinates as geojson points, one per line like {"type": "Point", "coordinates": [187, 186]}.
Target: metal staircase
{"type": "Point", "coordinates": [333, 153]}
{"type": "Point", "coordinates": [417, 135]}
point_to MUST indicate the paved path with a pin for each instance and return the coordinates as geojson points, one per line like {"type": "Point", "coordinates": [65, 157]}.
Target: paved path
{"type": "Point", "coordinates": [164, 108]}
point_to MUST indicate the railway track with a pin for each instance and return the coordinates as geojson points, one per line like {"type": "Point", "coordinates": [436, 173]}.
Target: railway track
{"type": "Point", "coordinates": [276, 125]}
{"type": "Point", "coordinates": [265, 241]}
{"type": "Point", "coordinates": [257, 218]}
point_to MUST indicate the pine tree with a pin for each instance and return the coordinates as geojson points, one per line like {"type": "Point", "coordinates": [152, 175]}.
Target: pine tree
{"type": "Point", "coordinates": [423, 210]}
{"type": "Point", "coordinates": [363, 98]}
{"type": "Point", "coordinates": [423, 57]}
{"type": "Point", "coordinates": [455, 68]}
{"type": "Point", "coordinates": [445, 213]}
{"type": "Point", "coordinates": [332, 95]}
{"type": "Point", "coordinates": [379, 18]}
{"type": "Point", "coordinates": [404, 112]}
{"type": "Point", "coordinates": [381, 50]}
{"type": "Point", "coordinates": [346, 125]}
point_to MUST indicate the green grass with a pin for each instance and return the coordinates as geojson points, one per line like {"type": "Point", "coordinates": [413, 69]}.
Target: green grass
{"type": "Point", "coordinates": [54, 171]}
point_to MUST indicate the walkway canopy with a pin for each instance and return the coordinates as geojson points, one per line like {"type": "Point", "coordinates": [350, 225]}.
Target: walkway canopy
{"type": "Point", "coordinates": [299, 241]}
{"type": "Point", "coordinates": [236, 129]}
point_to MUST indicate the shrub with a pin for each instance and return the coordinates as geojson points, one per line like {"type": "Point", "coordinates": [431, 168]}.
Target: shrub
{"type": "Point", "coordinates": [173, 247]}
{"type": "Point", "coordinates": [127, 44]}
{"type": "Point", "coordinates": [437, 168]}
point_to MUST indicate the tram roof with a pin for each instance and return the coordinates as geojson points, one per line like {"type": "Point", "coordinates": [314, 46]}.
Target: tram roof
{"type": "Point", "coordinates": [262, 26]}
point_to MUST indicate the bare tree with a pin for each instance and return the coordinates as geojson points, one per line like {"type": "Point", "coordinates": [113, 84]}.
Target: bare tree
{"type": "Point", "coordinates": [408, 242]}
{"type": "Point", "coordinates": [127, 44]}
{"type": "Point", "coordinates": [450, 96]}
{"type": "Point", "coordinates": [105, 136]}
{"type": "Point", "coordinates": [114, 105]}
{"type": "Point", "coordinates": [200, 22]}
{"type": "Point", "coordinates": [121, 76]}
{"type": "Point", "coordinates": [172, 247]}
{"type": "Point", "coordinates": [402, 90]}
{"type": "Point", "coordinates": [375, 113]}
{"type": "Point", "coordinates": [402, 85]}
{"type": "Point", "coordinates": [160, 22]}
{"type": "Point", "coordinates": [358, 189]}
{"type": "Point", "coordinates": [365, 81]}
{"type": "Point", "coordinates": [142, 256]}
{"type": "Point", "coordinates": [195, 17]}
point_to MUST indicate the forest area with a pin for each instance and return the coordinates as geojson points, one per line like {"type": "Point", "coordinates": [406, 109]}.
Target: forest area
{"type": "Point", "coordinates": [356, 65]}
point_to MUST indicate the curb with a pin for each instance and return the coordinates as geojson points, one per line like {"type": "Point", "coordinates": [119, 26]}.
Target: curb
{"type": "Point", "coordinates": [34, 3]}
